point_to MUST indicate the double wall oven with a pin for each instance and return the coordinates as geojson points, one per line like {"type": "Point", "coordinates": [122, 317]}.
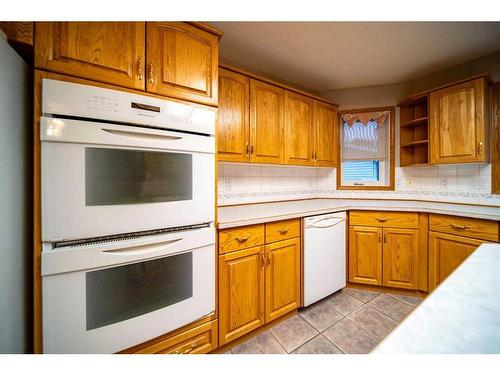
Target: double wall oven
{"type": "Point", "coordinates": [127, 216]}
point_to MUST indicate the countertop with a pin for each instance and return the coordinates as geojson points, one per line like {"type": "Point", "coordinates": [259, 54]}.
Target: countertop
{"type": "Point", "coordinates": [234, 216]}
{"type": "Point", "coordinates": [461, 316]}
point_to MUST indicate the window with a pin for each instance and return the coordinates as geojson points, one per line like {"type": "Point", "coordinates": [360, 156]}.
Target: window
{"type": "Point", "coordinates": [367, 149]}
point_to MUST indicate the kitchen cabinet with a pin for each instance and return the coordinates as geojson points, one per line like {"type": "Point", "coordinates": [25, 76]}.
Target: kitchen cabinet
{"type": "Point", "coordinates": [233, 121]}
{"type": "Point", "coordinates": [459, 123]}
{"type": "Point", "coordinates": [241, 292]}
{"type": "Point", "coordinates": [182, 61]}
{"type": "Point", "coordinates": [325, 138]}
{"type": "Point", "coordinates": [110, 52]}
{"type": "Point", "coordinates": [299, 129]}
{"type": "Point", "coordinates": [266, 122]}
{"type": "Point", "coordinates": [388, 248]}
{"type": "Point", "coordinates": [257, 284]}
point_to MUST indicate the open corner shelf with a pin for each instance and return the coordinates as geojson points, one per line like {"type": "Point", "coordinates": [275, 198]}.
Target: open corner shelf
{"type": "Point", "coordinates": [414, 131]}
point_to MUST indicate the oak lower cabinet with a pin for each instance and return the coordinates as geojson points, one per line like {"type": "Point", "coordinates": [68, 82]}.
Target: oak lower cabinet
{"type": "Point", "coordinates": [389, 256]}
{"type": "Point", "coordinates": [261, 283]}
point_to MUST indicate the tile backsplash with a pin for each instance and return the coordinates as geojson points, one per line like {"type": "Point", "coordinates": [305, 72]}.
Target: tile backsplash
{"type": "Point", "coordinates": [252, 183]}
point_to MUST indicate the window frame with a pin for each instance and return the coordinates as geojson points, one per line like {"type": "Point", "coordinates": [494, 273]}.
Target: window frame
{"type": "Point", "coordinates": [392, 161]}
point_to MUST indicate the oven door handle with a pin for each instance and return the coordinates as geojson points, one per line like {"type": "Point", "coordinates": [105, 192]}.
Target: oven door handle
{"type": "Point", "coordinates": [147, 249]}
{"type": "Point", "coordinates": [141, 136]}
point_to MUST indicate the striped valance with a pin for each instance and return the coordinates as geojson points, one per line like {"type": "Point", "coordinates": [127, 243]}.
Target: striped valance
{"type": "Point", "coordinates": [364, 118]}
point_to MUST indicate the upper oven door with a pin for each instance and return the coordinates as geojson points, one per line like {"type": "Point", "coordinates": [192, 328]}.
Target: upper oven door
{"type": "Point", "coordinates": [100, 179]}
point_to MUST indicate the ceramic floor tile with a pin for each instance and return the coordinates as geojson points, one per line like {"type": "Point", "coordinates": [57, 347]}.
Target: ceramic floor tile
{"type": "Point", "coordinates": [362, 295]}
{"type": "Point", "coordinates": [390, 306]}
{"type": "Point", "coordinates": [411, 300]}
{"type": "Point", "coordinates": [264, 343]}
{"type": "Point", "coordinates": [351, 338]}
{"type": "Point", "coordinates": [318, 345]}
{"type": "Point", "coordinates": [293, 332]}
{"type": "Point", "coordinates": [321, 315]}
{"type": "Point", "coordinates": [373, 321]}
{"type": "Point", "coordinates": [343, 302]}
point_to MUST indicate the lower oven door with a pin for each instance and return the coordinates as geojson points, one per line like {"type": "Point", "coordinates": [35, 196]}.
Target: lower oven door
{"type": "Point", "coordinates": [100, 179]}
{"type": "Point", "coordinates": [109, 296]}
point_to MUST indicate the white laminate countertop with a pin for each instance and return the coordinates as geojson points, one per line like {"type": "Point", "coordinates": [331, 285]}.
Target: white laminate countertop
{"type": "Point", "coordinates": [461, 316]}
{"type": "Point", "coordinates": [235, 216]}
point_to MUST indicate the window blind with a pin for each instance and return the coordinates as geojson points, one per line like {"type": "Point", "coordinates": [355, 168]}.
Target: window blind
{"type": "Point", "coordinates": [364, 142]}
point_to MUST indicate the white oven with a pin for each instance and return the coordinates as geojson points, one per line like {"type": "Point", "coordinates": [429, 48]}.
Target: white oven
{"type": "Point", "coordinates": [106, 296]}
{"type": "Point", "coordinates": [114, 162]}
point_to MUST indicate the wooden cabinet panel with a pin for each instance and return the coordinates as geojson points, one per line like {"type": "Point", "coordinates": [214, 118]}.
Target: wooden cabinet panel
{"type": "Point", "coordinates": [325, 130]}
{"type": "Point", "coordinates": [384, 219]}
{"type": "Point", "coordinates": [464, 226]}
{"type": "Point", "coordinates": [110, 52]}
{"type": "Point", "coordinates": [241, 293]}
{"type": "Point", "coordinates": [240, 238]}
{"type": "Point", "coordinates": [365, 255]}
{"type": "Point", "coordinates": [299, 135]}
{"type": "Point", "coordinates": [233, 127]}
{"type": "Point", "coordinates": [282, 278]}
{"type": "Point", "coordinates": [459, 123]}
{"type": "Point", "coordinates": [446, 253]}
{"type": "Point", "coordinates": [182, 62]}
{"type": "Point", "coordinates": [400, 258]}
{"type": "Point", "coordinates": [266, 123]}
{"type": "Point", "coordinates": [282, 230]}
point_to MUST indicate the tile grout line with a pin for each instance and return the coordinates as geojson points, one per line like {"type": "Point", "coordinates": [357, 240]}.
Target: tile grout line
{"type": "Point", "coordinates": [278, 341]}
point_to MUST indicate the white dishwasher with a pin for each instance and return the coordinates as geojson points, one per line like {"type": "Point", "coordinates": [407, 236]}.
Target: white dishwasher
{"type": "Point", "coordinates": [324, 255]}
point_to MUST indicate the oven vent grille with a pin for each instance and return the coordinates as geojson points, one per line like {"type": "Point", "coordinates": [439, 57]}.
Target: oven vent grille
{"type": "Point", "coordinates": [128, 236]}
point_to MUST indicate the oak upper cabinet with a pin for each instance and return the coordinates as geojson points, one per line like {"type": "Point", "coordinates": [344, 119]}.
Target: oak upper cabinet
{"type": "Point", "coordinates": [365, 255]}
{"type": "Point", "coordinates": [459, 123]}
{"type": "Point", "coordinates": [241, 292]}
{"type": "Point", "coordinates": [299, 134]}
{"type": "Point", "coordinates": [182, 61]}
{"type": "Point", "coordinates": [266, 122]}
{"type": "Point", "coordinates": [233, 122]}
{"type": "Point", "coordinates": [110, 52]}
{"type": "Point", "coordinates": [282, 278]}
{"type": "Point", "coordinates": [325, 125]}
{"type": "Point", "coordinates": [400, 258]}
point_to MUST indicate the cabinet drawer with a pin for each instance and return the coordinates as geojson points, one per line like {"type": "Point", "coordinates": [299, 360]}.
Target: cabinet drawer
{"type": "Point", "coordinates": [464, 226]}
{"type": "Point", "coordinates": [198, 340]}
{"type": "Point", "coordinates": [384, 219]}
{"type": "Point", "coordinates": [233, 239]}
{"type": "Point", "coordinates": [282, 230]}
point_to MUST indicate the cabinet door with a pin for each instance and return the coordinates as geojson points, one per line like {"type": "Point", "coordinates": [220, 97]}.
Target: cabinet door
{"type": "Point", "coordinates": [365, 255]}
{"type": "Point", "coordinates": [458, 121]}
{"type": "Point", "coordinates": [233, 127]}
{"type": "Point", "coordinates": [325, 130]}
{"type": "Point", "coordinates": [299, 135]}
{"type": "Point", "coordinates": [182, 62]}
{"type": "Point", "coordinates": [266, 123]}
{"type": "Point", "coordinates": [241, 293]}
{"type": "Point", "coordinates": [446, 253]}
{"type": "Point", "coordinates": [400, 258]}
{"type": "Point", "coordinates": [282, 278]}
{"type": "Point", "coordinates": [110, 52]}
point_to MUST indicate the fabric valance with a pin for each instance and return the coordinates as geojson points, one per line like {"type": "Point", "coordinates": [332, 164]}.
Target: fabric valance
{"type": "Point", "coordinates": [364, 118]}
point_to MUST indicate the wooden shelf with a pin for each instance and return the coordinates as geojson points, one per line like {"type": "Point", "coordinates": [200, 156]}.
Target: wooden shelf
{"type": "Point", "coordinates": [416, 143]}
{"type": "Point", "coordinates": [415, 122]}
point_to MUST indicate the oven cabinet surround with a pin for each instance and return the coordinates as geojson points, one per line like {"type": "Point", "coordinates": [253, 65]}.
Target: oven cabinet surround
{"type": "Point", "coordinates": [259, 122]}
{"type": "Point", "coordinates": [452, 239]}
{"type": "Point", "coordinates": [259, 276]}
{"type": "Point", "coordinates": [176, 59]}
{"type": "Point", "coordinates": [388, 249]}
{"type": "Point", "coordinates": [459, 123]}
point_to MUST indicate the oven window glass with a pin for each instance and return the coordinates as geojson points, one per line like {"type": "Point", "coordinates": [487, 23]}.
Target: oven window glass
{"type": "Point", "coordinates": [120, 293]}
{"type": "Point", "coordinates": [118, 176]}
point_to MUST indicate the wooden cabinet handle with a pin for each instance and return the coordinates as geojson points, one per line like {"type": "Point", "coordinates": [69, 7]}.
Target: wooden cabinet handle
{"type": "Point", "coordinates": [151, 73]}
{"type": "Point", "coordinates": [140, 69]}
{"type": "Point", "coordinates": [461, 227]}
{"type": "Point", "coordinates": [379, 237]}
{"type": "Point", "coordinates": [263, 259]}
{"type": "Point", "coordinates": [381, 219]}
{"type": "Point", "coordinates": [190, 349]}
{"type": "Point", "coordinates": [251, 150]}
{"type": "Point", "coordinates": [283, 230]}
{"type": "Point", "coordinates": [248, 149]}
{"type": "Point", "coordinates": [385, 238]}
{"type": "Point", "coordinates": [242, 238]}
{"type": "Point", "coordinates": [268, 259]}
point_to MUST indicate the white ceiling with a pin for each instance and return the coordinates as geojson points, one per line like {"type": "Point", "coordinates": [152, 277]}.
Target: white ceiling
{"type": "Point", "coordinates": [323, 56]}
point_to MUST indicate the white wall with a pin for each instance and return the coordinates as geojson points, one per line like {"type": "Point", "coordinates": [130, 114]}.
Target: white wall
{"type": "Point", "coordinates": [15, 218]}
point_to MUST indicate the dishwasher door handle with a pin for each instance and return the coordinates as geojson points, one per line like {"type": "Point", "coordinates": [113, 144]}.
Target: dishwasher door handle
{"type": "Point", "coordinates": [326, 222]}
